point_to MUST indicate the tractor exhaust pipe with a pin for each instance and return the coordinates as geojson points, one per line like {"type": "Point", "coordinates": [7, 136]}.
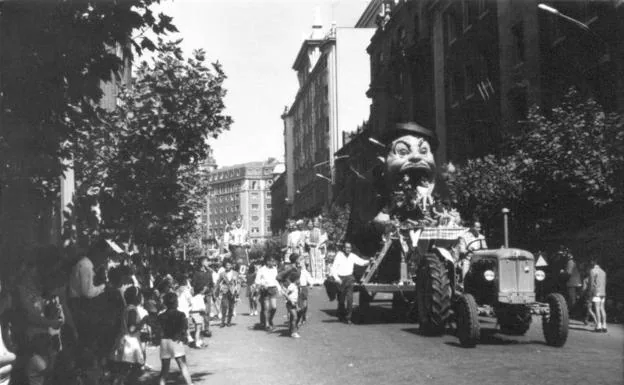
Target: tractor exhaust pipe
{"type": "Point", "coordinates": [506, 226]}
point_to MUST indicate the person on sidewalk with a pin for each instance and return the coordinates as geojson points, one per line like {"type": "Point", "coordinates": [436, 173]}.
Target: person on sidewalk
{"type": "Point", "coordinates": [173, 324]}
{"type": "Point", "coordinates": [203, 284]}
{"type": "Point", "coordinates": [573, 282]}
{"type": "Point", "coordinates": [266, 279]}
{"type": "Point", "coordinates": [587, 298]}
{"type": "Point", "coordinates": [228, 285]}
{"type": "Point", "coordinates": [342, 271]}
{"type": "Point", "coordinates": [598, 279]}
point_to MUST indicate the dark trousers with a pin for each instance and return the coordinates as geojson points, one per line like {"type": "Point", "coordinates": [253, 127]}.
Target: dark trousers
{"type": "Point", "coordinates": [228, 300]}
{"type": "Point", "coordinates": [572, 297]}
{"type": "Point", "coordinates": [292, 318]}
{"type": "Point", "coordinates": [345, 297]}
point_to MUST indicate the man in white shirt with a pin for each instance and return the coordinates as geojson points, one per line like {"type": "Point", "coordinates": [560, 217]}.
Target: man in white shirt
{"type": "Point", "coordinates": [342, 271]}
{"type": "Point", "coordinates": [266, 279]}
{"type": "Point", "coordinates": [471, 240]}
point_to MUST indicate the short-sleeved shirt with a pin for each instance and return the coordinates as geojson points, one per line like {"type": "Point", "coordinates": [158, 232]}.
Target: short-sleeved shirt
{"type": "Point", "coordinates": [173, 325]}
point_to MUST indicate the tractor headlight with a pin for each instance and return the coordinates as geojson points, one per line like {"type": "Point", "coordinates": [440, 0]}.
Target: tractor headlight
{"type": "Point", "coordinates": [540, 275]}
{"type": "Point", "coordinates": [488, 275]}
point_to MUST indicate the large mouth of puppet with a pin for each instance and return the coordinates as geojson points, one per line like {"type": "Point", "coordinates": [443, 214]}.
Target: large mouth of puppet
{"type": "Point", "coordinates": [416, 175]}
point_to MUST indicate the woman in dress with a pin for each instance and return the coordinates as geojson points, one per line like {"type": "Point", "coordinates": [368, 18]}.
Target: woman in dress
{"type": "Point", "coordinates": [315, 242]}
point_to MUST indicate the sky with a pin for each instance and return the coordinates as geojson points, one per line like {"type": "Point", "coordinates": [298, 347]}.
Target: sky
{"type": "Point", "coordinates": [256, 41]}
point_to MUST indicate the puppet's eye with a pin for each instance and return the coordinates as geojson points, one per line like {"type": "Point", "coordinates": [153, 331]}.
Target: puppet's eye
{"type": "Point", "coordinates": [401, 149]}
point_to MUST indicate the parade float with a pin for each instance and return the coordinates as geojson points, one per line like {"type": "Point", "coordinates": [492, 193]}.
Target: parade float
{"type": "Point", "coordinates": [419, 263]}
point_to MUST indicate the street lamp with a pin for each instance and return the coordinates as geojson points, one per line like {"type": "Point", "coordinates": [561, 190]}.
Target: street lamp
{"type": "Point", "coordinates": [557, 13]}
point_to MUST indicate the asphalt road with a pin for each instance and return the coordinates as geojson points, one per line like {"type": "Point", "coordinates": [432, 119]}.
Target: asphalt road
{"type": "Point", "coordinates": [389, 351]}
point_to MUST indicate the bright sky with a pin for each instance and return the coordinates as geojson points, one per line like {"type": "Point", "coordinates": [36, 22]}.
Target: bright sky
{"type": "Point", "coordinates": [256, 41]}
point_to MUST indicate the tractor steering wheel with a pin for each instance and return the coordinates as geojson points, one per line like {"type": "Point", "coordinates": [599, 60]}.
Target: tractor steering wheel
{"type": "Point", "coordinates": [471, 251]}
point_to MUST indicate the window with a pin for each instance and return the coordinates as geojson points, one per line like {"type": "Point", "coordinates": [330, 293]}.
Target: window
{"type": "Point", "coordinates": [255, 218]}
{"type": "Point", "coordinates": [471, 80]}
{"type": "Point", "coordinates": [470, 13]}
{"type": "Point", "coordinates": [452, 27]}
{"type": "Point", "coordinates": [518, 41]}
{"type": "Point", "coordinates": [255, 206]}
{"type": "Point", "coordinates": [255, 195]}
{"type": "Point", "coordinates": [268, 205]}
{"type": "Point", "coordinates": [255, 229]}
{"type": "Point", "coordinates": [457, 87]}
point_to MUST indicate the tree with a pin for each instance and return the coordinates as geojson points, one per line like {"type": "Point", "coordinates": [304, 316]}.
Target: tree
{"type": "Point", "coordinates": [55, 54]}
{"type": "Point", "coordinates": [153, 145]}
{"type": "Point", "coordinates": [565, 170]}
{"type": "Point", "coordinates": [572, 161]}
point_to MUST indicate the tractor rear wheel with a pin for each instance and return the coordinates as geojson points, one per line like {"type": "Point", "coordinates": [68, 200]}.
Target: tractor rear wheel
{"type": "Point", "coordinates": [433, 291]}
{"type": "Point", "coordinates": [467, 313]}
{"type": "Point", "coordinates": [555, 324]}
{"type": "Point", "coordinates": [514, 320]}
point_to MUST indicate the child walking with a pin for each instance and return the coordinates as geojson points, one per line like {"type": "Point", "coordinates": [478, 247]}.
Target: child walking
{"type": "Point", "coordinates": [174, 327]}
{"type": "Point", "coordinates": [128, 356]}
{"type": "Point", "coordinates": [305, 281]}
{"type": "Point", "coordinates": [292, 302]}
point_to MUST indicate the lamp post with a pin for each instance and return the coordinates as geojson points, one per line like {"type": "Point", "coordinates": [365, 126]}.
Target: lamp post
{"type": "Point", "coordinates": [604, 46]}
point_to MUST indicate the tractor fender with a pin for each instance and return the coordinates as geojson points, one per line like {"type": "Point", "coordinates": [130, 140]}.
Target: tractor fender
{"type": "Point", "coordinates": [444, 253]}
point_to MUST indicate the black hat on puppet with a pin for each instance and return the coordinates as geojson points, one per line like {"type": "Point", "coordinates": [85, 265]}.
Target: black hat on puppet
{"type": "Point", "coordinates": [412, 128]}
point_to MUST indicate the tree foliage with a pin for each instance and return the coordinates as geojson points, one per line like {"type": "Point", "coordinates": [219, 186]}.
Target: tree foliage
{"type": "Point", "coordinates": [564, 170]}
{"type": "Point", "coordinates": [334, 221]}
{"type": "Point", "coordinates": [55, 55]}
{"type": "Point", "coordinates": [148, 170]}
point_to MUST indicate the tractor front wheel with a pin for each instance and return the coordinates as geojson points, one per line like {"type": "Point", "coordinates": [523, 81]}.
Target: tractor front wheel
{"type": "Point", "coordinates": [468, 328]}
{"type": "Point", "coordinates": [555, 324]}
{"type": "Point", "coordinates": [433, 291]}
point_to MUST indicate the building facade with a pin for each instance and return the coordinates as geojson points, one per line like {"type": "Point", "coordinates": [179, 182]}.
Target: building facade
{"type": "Point", "coordinates": [280, 206]}
{"type": "Point", "coordinates": [332, 70]}
{"type": "Point", "coordinates": [242, 192]}
{"type": "Point", "coordinates": [471, 69]}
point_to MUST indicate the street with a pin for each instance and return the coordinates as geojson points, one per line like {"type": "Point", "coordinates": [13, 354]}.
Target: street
{"type": "Point", "coordinates": [391, 352]}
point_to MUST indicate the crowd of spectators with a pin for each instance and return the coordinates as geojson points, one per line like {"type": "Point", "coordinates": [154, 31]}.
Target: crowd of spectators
{"type": "Point", "coordinates": [90, 319]}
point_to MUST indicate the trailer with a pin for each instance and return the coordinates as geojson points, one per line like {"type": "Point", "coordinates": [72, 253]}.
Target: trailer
{"type": "Point", "coordinates": [394, 269]}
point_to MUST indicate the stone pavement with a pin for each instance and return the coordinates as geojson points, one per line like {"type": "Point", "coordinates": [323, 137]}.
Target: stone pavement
{"type": "Point", "coordinates": [389, 351]}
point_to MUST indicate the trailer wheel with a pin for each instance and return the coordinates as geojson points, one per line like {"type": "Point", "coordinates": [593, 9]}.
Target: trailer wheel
{"type": "Point", "coordinates": [468, 328]}
{"type": "Point", "coordinates": [433, 291]}
{"type": "Point", "coordinates": [555, 324]}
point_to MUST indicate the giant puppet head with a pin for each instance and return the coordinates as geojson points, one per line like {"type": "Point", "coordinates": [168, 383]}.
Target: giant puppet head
{"type": "Point", "coordinates": [409, 163]}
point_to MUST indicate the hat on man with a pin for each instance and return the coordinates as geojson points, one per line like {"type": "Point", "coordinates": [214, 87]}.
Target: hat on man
{"type": "Point", "coordinates": [412, 128]}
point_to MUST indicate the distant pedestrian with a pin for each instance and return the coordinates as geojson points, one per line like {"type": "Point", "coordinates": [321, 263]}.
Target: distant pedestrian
{"type": "Point", "coordinates": [342, 271]}
{"type": "Point", "coordinates": [266, 279]}
{"type": "Point", "coordinates": [228, 285]}
{"type": "Point", "coordinates": [204, 284]}
{"type": "Point", "coordinates": [253, 293]}
{"type": "Point", "coordinates": [573, 279]}
{"type": "Point", "coordinates": [587, 298]}
{"type": "Point", "coordinates": [173, 324]}
{"type": "Point", "coordinates": [598, 279]}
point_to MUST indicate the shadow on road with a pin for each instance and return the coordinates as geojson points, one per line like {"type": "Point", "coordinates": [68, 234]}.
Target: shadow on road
{"type": "Point", "coordinates": [374, 315]}
{"type": "Point", "coordinates": [174, 378]}
{"type": "Point", "coordinates": [492, 337]}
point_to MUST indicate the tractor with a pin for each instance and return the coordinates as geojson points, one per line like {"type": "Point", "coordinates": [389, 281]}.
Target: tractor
{"type": "Point", "coordinates": [501, 283]}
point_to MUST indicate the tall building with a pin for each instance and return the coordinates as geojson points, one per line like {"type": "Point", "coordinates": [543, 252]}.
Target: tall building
{"type": "Point", "coordinates": [242, 191]}
{"type": "Point", "coordinates": [333, 72]}
{"type": "Point", "coordinates": [470, 69]}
